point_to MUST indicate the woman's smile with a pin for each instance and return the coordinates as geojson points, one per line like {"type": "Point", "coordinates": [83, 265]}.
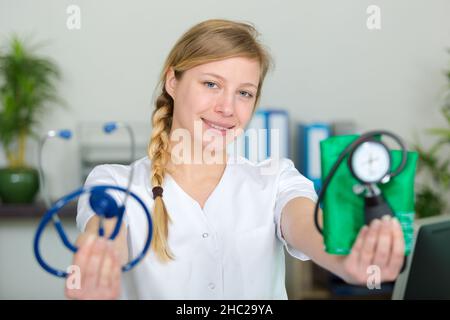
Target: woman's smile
{"type": "Point", "coordinates": [218, 126]}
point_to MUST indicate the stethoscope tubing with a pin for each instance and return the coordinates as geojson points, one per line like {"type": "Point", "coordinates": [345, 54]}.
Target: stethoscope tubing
{"type": "Point", "coordinates": [51, 213]}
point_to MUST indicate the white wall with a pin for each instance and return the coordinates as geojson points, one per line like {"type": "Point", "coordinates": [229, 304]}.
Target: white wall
{"type": "Point", "coordinates": [20, 275]}
{"type": "Point", "coordinates": [329, 66]}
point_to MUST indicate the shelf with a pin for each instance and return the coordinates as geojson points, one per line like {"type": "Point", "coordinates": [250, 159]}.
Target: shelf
{"type": "Point", "coordinates": [35, 210]}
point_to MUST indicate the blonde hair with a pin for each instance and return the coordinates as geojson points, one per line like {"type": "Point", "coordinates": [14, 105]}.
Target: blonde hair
{"type": "Point", "coordinates": [208, 41]}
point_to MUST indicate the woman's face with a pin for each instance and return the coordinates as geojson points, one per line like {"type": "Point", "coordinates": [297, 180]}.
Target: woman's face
{"type": "Point", "coordinates": [214, 101]}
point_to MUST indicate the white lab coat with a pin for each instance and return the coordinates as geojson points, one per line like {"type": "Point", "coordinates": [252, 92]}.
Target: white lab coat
{"type": "Point", "coordinates": [232, 249]}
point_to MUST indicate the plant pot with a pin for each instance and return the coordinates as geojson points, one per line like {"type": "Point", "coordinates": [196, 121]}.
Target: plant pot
{"type": "Point", "coordinates": [18, 185]}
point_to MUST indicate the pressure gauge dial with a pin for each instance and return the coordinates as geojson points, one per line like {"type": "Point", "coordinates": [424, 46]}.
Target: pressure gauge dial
{"type": "Point", "coordinates": [370, 162]}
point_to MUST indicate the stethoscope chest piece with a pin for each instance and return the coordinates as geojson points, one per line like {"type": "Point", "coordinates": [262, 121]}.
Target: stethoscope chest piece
{"type": "Point", "coordinates": [103, 204]}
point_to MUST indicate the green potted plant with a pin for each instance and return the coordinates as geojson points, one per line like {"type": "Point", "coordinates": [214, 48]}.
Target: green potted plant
{"type": "Point", "coordinates": [432, 195]}
{"type": "Point", "coordinates": [27, 87]}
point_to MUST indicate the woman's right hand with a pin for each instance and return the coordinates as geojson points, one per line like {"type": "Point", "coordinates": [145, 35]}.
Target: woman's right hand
{"type": "Point", "coordinates": [99, 263]}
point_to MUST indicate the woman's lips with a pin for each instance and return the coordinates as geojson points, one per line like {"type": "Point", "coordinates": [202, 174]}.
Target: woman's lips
{"type": "Point", "coordinates": [221, 129]}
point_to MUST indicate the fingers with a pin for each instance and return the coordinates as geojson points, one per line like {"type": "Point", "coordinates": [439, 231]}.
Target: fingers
{"type": "Point", "coordinates": [383, 246]}
{"type": "Point", "coordinates": [100, 266]}
{"type": "Point", "coordinates": [395, 262]}
{"type": "Point", "coordinates": [115, 275]}
{"type": "Point", "coordinates": [355, 254]}
{"type": "Point", "coordinates": [351, 264]}
{"type": "Point", "coordinates": [106, 267]}
{"type": "Point", "coordinates": [109, 279]}
{"type": "Point", "coordinates": [369, 245]}
{"type": "Point", "coordinates": [82, 256]}
{"type": "Point", "coordinates": [91, 272]}
{"type": "Point", "coordinates": [81, 259]}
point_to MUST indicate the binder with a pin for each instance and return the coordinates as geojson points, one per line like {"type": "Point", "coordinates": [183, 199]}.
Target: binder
{"type": "Point", "coordinates": [256, 143]}
{"type": "Point", "coordinates": [278, 122]}
{"type": "Point", "coordinates": [308, 159]}
{"type": "Point", "coordinates": [267, 135]}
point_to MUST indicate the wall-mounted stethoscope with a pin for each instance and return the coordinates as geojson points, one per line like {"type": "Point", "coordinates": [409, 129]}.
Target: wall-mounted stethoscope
{"type": "Point", "coordinates": [102, 203]}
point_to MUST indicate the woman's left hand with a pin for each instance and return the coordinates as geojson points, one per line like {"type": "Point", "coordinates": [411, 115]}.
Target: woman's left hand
{"type": "Point", "coordinates": [380, 246]}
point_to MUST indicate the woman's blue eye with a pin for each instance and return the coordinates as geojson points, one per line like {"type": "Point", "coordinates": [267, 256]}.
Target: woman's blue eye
{"type": "Point", "coordinates": [246, 94]}
{"type": "Point", "coordinates": [212, 85]}
{"type": "Point", "coordinates": [209, 83]}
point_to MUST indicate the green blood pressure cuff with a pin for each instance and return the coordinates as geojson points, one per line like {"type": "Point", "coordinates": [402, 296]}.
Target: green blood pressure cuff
{"type": "Point", "coordinates": [343, 210]}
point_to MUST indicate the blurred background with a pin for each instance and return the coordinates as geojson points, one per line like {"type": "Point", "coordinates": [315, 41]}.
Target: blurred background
{"type": "Point", "coordinates": [340, 66]}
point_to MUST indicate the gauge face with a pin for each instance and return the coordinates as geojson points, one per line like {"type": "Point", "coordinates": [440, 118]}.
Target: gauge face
{"type": "Point", "coordinates": [370, 162]}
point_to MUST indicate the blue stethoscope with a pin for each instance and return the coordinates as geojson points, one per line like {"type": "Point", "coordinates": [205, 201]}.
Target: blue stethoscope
{"type": "Point", "coordinates": [100, 202]}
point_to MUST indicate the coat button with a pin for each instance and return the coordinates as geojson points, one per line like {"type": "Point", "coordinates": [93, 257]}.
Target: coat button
{"type": "Point", "coordinates": [205, 235]}
{"type": "Point", "coordinates": [211, 286]}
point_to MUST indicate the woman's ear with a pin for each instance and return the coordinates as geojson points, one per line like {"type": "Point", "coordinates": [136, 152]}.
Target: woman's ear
{"type": "Point", "coordinates": [171, 82]}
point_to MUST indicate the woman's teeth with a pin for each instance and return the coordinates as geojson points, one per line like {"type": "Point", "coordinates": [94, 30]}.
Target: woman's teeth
{"type": "Point", "coordinates": [215, 126]}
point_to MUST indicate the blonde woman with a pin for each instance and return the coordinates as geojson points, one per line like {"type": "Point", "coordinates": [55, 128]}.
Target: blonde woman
{"type": "Point", "coordinates": [219, 226]}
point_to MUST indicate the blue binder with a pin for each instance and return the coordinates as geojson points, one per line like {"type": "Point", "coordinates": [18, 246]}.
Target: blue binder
{"type": "Point", "coordinates": [308, 158]}
{"type": "Point", "coordinates": [267, 135]}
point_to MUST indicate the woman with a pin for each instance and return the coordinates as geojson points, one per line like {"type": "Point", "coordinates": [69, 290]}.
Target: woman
{"type": "Point", "coordinates": [219, 226]}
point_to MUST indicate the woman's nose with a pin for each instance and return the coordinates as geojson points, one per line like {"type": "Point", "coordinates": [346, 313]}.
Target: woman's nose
{"type": "Point", "coordinates": [225, 105]}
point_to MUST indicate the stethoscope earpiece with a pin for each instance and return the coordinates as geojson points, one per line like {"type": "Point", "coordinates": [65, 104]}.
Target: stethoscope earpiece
{"type": "Point", "coordinates": [109, 127]}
